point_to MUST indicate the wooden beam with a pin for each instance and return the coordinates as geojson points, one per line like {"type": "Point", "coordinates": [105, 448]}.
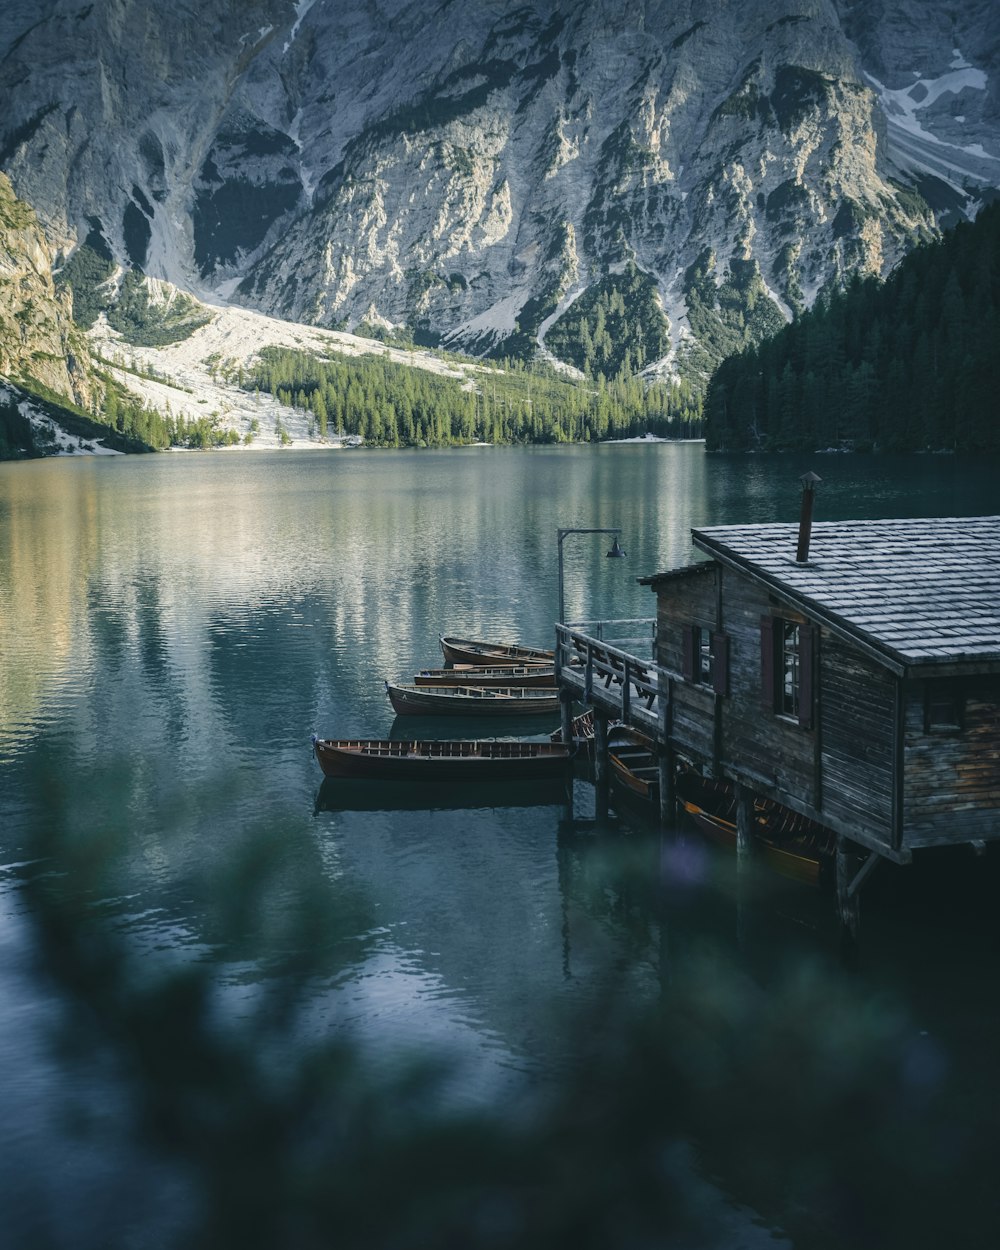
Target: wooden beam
{"type": "Point", "coordinates": [744, 826]}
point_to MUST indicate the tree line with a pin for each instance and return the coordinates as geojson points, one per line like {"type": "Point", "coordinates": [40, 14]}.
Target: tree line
{"type": "Point", "coordinates": [395, 405]}
{"type": "Point", "coordinates": [909, 364]}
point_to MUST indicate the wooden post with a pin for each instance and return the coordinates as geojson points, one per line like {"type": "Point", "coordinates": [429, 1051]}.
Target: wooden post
{"type": "Point", "coordinates": [667, 761]}
{"type": "Point", "coordinates": [744, 826]}
{"type": "Point", "coordinates": [566, 715]}
{"type": "Point", "coordinates": [600, 747]}
{"type": "Point", "coordinates": [601, 767]}
{"type": "Point", "coordinates": [666, 756]}
{"type": "Point", "coordinates": [568, 812]}
{"type": "Point", "coordinates": [848, 898]}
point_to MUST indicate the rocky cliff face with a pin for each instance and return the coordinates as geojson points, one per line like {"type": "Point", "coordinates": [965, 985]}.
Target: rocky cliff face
{"type": "Point", "coordinates": [38, 340]}
{"type": "Point", "coordinates": [469, 169]}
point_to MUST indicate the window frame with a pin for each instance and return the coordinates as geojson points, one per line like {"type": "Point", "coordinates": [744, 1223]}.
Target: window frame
{"type": "Point", "coordinates": [941, 692]}
{"type": "Point", "coordinates": [701, 642]}
{"type": "Point", "coordinates": [774, 668]}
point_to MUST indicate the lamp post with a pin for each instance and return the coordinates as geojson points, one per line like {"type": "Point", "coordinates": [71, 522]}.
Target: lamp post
{"type": "Point", "coordinates": [615, 553]}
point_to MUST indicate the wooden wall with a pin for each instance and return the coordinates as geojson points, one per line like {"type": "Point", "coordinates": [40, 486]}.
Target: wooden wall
{"type": "Point", "coordinates": [952, 780]}
{"type": "Point", "coordinates": [857, 713]}
{"type": "Point", "coordinates": [734, 734]}
{"type": "Point", "coordinates": [682, 602]}
{"type": "Point", "coordinates": [843, 771]}
{"type": "Point", "coordinates": [756, 741]}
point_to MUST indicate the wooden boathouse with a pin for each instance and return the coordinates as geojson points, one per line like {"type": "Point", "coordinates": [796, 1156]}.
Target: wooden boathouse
{"type": "Point", "coordinates": [849, 671]}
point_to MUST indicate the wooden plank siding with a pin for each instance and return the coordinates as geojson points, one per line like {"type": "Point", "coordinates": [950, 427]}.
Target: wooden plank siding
{"type": "Point", "coordinates": [771, 752]}
{"type": "Point", "coordinates": [857, 709]}
{"type": "Point", "coordinates": [690, 600]}
{"type": "Point", "coordinates": [951, 786]}
{"type": "Point", "coordinates": [757, 743]}
{"type": "Point", "coordinates": [892, 736]}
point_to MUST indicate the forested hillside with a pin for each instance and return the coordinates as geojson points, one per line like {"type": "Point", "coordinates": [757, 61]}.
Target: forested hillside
{"type": "Point", "coordinates": [392, 405]}
{"type": "Point", "coordinates": [910, 364]}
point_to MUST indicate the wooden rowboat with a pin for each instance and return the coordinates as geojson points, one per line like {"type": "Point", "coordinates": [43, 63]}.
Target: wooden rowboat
{"type": "Point", "coordinates": [472, 675]}
{"type": "Point", "coordinates": [582, 730]}
{"type": "Point", "coordinates": [446, 760]}
{"type": "Point", "coordinates": [412, 700]}
{"type": "Point", "coordinates": [634, 766]}
{"type": "Point", "coordinates": [789, 843]}
{"type": "Point", "coordinates": [493, 654]}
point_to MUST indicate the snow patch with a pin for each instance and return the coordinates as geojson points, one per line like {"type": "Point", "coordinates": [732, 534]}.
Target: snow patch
{"type": "Point", "coordinates": [498, 321]}
{"type": "Point", "coordinates": [198, 377]}
{"type": "Point", "coordinates": [48, 432]}
{"type": "Point", "coordinates": [549, 357]}
{"type": "Point", "coordinates": [302, 7]}
{"type": "Point", "coordinates": [917, 148]}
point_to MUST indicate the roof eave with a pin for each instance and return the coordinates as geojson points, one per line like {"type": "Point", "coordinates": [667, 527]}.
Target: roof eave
{"type": "Point", "coordinates": [898, 663]}
{"type": "Point", "coordinates": [883, 655]}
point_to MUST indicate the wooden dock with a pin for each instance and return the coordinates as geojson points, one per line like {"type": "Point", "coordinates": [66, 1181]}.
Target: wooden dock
{"type": "Point", "coordinates": [856, 685]}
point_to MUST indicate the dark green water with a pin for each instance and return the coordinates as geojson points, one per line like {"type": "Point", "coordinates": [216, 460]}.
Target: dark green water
{"type": "Point", "coordinates": [213, 969]}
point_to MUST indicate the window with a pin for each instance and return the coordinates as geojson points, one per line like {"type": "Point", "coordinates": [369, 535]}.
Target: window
{"type": "Point", "coordinates": [786, 665]}
{"type": "Point", "coordinates": [790, 646]}
{"type": "Point", "coordinates": [944, 706]}
{"type": "Point", "coordinates": [703, 656]}
{"type": "Point", "coordinates": [706, 658]}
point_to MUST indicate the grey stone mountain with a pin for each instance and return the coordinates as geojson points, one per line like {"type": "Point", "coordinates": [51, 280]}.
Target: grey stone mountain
{"type": "Point", "coordinates": [469, 170]}
{"type": "Point", "coordinates": [38, 338]}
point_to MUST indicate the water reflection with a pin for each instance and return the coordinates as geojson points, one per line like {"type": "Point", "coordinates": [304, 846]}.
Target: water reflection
{"type": "Point", "coordinates": [258, 977]}
{"type": "Point", "coordinates": [348, 794]}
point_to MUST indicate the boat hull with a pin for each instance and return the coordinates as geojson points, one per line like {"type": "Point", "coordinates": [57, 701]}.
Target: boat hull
{"type": "Point", "coordinates": [484, 701]}
{"type": "Point", "coordinates": [501, 675]}
{"type": "Point", "coordinates": [441, 761]}
{"type": "Point", "coordinates": [493, 654]}
{"type": "Point", "coordinates": [788, 843]}
{"type": "Point", "coordinates": [633, 764]}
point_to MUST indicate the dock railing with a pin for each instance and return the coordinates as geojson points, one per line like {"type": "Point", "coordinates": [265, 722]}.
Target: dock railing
{"type": "Point", "coordinates": [603, 673]}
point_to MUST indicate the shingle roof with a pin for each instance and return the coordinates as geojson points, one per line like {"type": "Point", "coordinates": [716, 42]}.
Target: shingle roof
{"type": "Point", "coordinates": [925, 591]}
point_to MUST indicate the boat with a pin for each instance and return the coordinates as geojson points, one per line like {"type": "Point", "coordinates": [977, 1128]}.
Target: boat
{"type": "Point", "coordinates": [408, 699]}
{"type": "Point", "coordinates": [791, 844]}
{"type": "Point", "coordinates": [473, 675]}
{"type": "Point", "coordinates": [634, 766]}
{"type": "Point", "coordinates": [493, 654]}
{"type": "Point", "coordinates": [445, 760]}
{"type": "Point", "coordinates": [581, 730]}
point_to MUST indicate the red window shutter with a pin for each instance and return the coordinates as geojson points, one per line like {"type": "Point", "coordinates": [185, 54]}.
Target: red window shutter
{"type": "Point", "coordinates": [767, 662]}
{"type": "Point", "coordinates": [720, 663]}
{"type": "Point", "coordinates": [807, 638]}
{"type": "Point", "coordinates": [688, 655]}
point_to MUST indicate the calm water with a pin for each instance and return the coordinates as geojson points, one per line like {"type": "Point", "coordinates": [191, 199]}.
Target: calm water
{"type": "Point", "coordinates": [188, 920]}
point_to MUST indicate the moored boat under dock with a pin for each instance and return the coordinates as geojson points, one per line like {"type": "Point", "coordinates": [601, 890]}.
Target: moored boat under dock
{"type": "Point", "coordinates": [487, 701]}
{"type": "Point", "coordinates": [491, 654]}
{"type": "Point", "coordinates": [445, 760]}
{"type": "Point", "coordinates": [473, 675]}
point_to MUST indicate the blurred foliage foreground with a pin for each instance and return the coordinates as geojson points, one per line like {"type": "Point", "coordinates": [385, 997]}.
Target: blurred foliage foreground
{"type": "Point", "coordinates": [799, 1090]}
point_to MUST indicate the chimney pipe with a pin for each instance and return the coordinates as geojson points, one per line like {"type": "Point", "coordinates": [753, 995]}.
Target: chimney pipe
{"type": "Point", "coordinates": [809, 481]}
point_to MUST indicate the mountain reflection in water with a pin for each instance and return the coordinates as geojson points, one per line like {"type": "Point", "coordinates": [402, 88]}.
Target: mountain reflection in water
{"type": "Point", "coordinates": [247, 1008]}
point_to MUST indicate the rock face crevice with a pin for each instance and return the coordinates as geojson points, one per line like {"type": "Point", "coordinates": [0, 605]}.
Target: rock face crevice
{"type": "Point", "coordinates": [38, 341]}
{"type": "Point", "coordinates": [465, 169]}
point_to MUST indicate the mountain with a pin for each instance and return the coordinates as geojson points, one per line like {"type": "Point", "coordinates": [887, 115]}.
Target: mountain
{"type": "Point", "coordinates": [38, 339]}
{"type": "Point", "coordinates": [695, 174]}
{"type": "Point", "coordinates": [912, 364]}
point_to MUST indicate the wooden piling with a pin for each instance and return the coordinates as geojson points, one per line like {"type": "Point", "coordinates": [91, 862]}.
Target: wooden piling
{"type": "Point", "coordinates": [566, 715]}
{"type": "Point", "coordinates": [667, 762]}
{"type": "Point", "coordinates": [848, 898]}
{"type": "Point", "coordinates": [602, 767]}
{"type": "Point", "coordinates": [744, 826]}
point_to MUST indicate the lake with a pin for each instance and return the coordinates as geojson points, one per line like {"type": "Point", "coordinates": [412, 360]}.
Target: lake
{"type": "Point", "coordinates": [244, 1008]}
